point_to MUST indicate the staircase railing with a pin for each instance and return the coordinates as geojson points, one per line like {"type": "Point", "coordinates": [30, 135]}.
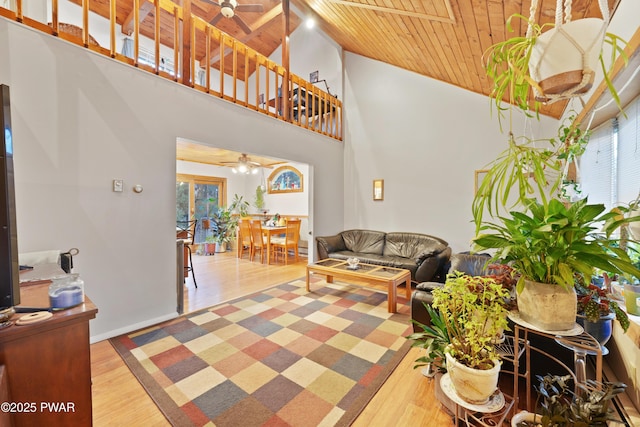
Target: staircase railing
{"type": "Point", "coordinates": [204, 58]}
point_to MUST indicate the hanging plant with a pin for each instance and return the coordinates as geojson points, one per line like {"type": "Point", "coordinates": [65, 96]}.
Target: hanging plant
{"type": "Point", "coordinates": [548, 57]}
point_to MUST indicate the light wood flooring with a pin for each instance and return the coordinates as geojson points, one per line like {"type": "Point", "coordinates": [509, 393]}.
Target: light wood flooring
{"type": "Point", "coordinates": [406, 398]}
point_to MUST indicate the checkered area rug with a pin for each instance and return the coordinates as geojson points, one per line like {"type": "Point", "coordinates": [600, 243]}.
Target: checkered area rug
{"type": "Point", "coordinates": [280, 357]}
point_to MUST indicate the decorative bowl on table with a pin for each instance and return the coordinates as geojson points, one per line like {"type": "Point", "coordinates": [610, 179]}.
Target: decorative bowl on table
{"type": "Point", "coordinates": [353, 263]}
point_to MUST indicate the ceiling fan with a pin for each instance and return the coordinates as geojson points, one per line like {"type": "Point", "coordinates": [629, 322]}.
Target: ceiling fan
{"type": "Point", "coordinates": [244, 165]}
{"type": "Point", "coordinates": [228, 9]}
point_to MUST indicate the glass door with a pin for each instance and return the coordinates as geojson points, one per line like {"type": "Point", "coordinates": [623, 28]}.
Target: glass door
{"type": "Point", "coordinates": [198, 197]}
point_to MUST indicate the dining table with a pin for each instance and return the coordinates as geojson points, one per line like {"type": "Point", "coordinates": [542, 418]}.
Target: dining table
{"type": "Point", "coordinates": [272, 230]}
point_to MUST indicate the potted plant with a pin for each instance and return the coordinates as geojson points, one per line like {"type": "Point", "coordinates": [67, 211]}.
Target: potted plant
{"type": "Point", "coordinates": [596, 311]}
{"type": "Point", "coordinates": [223, 228]}
{"type": "Point", "coordinates": [473, 313]}
{"type": "Point", "coordinates": [546, 244]}
{"type": "Point", "coordinates": [239, 206]}
{"type": "Point", "coordinates": [210, 245]}
{"type": "Point", "coordinates": [258, 200]}
{"type": "Point", "coordinates": [557, 405]}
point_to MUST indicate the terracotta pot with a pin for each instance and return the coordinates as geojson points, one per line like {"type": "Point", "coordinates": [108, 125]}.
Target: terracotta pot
{"type": "Point", "coordinates": [209, 248]}
{"type": "Point", "coordinates": [473, 385]}
{"type": "Point", "coordinates": [548, 307]}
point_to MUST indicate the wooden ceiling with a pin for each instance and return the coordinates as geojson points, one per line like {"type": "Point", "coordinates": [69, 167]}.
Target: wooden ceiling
{"type": "Point", "coordinates": [198, 153]}
{"type": "Point", "coordinates": [441, 39]}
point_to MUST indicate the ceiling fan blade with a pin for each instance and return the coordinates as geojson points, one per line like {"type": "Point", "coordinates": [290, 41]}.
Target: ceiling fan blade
{"type": "Point", "coordinates": [216, 19]}
{"type": "Point", "coordinates": [242, 24]}
{"type": "Point", "coordinates": [212, 2]}
{"type": "Point", "coordinates": [249, 8]}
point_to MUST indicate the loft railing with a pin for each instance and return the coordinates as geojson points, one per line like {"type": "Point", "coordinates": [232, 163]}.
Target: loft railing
{"type": "Point", "coordinates": [203, 57]}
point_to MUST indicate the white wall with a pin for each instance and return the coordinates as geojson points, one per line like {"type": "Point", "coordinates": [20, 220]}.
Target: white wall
{"type": "Point", "coordinates": [81, 120]}
{"type": "Point", "coordinates": [425, 138]}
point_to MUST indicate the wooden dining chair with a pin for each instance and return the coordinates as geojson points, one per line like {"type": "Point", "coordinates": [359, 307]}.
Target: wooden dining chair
{"type": "Point", "coordinates": [245, 240]}
{"type": "Point", "coordinates": [282, 245]}
{"type": "Point", "coordinates": [186, 231]}
{"type": "Point", "coordinates": [257, 239]}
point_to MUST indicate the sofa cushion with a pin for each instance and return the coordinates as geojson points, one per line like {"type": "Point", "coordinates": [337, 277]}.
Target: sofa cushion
{"type": "Point", "coordinates": [412, 245]}
{"type": "Point", "coordinates": [364, 241]}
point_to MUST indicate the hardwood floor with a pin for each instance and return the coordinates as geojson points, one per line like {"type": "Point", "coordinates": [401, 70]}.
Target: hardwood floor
{"type": "Point", "coordinates": [406, 398]}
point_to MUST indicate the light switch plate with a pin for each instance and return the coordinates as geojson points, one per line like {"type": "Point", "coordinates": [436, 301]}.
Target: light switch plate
{"type": "Point", "coordinates": [118, 185]}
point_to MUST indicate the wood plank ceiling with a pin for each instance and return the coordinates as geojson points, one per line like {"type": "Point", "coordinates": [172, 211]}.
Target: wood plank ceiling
{"type": "Point", "coordinates": [441, 39]}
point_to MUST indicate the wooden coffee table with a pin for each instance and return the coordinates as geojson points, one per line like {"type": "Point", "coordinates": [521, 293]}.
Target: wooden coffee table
{"type": "Point", "coordinates": [368, 273]}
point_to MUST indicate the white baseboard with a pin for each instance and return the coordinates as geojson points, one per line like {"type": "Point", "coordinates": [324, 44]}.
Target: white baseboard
{"type": "Point", "coordinates": [130, 328]}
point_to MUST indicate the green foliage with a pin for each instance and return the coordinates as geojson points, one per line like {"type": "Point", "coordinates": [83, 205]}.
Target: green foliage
{"type": "Point", "coordinates": [507, 64]}
{"type": "Point", "coordinates": [224, 225]}
{"type": "Point", "coordinates": [434, 339]}
{"type": "Point", "coordinates": [526, 170]}
{"type": "Point", "coordinates": [473, 310]}
{"type": "Point", "coordinates": [258, 200]}
{"type": "Point", "coordinates": [550, 241]}
{"type": "Point", "coordinates": [559, 406]}
{"type": "Point", "coordinates": [239, 206]}
{"type": "Point", "coordinates": [594, 302]}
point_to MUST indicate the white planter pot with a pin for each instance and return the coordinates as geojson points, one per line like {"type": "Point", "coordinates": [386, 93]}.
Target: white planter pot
{"type": "Point", "coordinates": [564, 59]}
{"type": "Point", "coordinates": [473, 385]}
{"type": "Point", "coordinates": [548, 307]}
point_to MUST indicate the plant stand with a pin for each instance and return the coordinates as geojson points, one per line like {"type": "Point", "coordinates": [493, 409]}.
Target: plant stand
{"type": "Point", "coordinates": [492, 413]}
{"type": "Point", "coordinates": [575, 339]}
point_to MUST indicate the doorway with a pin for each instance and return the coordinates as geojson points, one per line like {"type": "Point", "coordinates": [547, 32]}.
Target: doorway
{"type": "Point", "coordinates": [205, 174]}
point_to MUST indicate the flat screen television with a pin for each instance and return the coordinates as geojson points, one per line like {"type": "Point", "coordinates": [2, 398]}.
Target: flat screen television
{"type": "Point", "coordinates": [9, 267]}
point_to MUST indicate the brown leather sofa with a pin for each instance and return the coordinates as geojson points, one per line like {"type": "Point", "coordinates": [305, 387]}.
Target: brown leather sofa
{"type": "Point", "coordinates": [421, 254]}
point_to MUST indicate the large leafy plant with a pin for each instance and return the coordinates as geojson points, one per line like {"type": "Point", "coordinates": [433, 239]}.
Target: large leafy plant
{"type": "Point", "coordinates": [473, 310]}
{"type": "Point", "coordinates": [550, 241]}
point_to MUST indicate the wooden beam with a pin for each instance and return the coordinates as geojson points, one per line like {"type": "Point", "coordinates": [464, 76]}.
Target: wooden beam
{"type": "Point", "coordinates": [127, 24]}
{"type": "Point", "coordinates": [632, 49]}
{"type": "Point", "coordinates": [265, 19]}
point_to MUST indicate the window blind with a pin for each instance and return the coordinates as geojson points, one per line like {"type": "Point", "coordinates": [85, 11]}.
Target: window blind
{"type": "Point", "coordinates": [597, 166]}
{"type": "Point", "coordinates": [628, 176]}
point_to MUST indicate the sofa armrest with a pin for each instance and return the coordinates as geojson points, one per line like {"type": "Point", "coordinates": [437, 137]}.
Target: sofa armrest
{"type": "Point", "coordinates": [431, 266]}
{"type": "Point", "coordinates": [329, 244]}
{"type": "Point", "coordinates": [421, 296]}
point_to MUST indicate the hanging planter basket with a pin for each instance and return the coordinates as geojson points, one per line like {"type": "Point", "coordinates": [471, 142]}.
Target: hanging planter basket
{"type": "Point", "coordinates": [564, 59]}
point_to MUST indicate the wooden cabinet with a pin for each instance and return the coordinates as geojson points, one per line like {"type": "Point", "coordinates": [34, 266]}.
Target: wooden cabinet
{"type": "Point", "coordinates": [47, 365]}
